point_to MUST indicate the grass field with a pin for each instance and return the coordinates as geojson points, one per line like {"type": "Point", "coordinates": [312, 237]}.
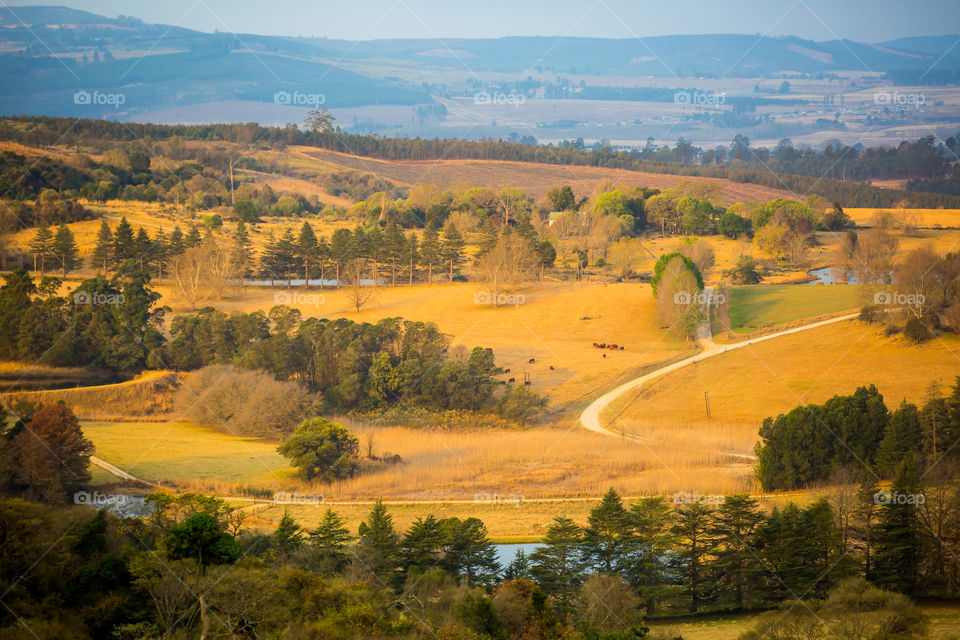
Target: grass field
{"type": "Point", "coordinates": [772, 377]}
{"type": "Point", "coordinates": [756, 307]}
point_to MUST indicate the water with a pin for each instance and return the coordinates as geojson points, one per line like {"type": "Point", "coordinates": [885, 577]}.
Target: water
{"type": "Point", "coordinates": [119, 504]}
{"type": "Point", "coordinates": [827, 275]}
{"type": "Point", "coordinates": [507, 552]}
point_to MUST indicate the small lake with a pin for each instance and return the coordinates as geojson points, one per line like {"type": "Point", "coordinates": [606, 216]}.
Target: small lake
{"type": "Point", "coordinates": [829, 275]}
{"type": "Point", "coordinates": [507, 552]}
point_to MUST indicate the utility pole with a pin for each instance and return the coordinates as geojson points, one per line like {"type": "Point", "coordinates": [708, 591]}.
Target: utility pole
{"type": "Point", "coordinates": [706, 400]}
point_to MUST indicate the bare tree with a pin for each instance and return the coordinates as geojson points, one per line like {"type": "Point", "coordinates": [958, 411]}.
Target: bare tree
{"type": "Point", "coordinates": [507, 266]}
{"type": "Point", "coordinates": [358, 293]}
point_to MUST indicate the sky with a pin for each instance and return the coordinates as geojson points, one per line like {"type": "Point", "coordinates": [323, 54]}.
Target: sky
{"type": "Point", "coordinates": [861, 20]}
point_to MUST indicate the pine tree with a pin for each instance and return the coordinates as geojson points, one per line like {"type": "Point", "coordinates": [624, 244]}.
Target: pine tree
{"type": "Point", "coordinates": [341, 250]}
{"type": "Point", "coordinates": [323, 257]}
{"type": "Point", "coordinates": [451, 247]}
{"type": "Point", "coordinates": [123, 242]}
{"type": "Point", "coordinates": [42, 248]}
{"type": "Point", "coordinates": [902, 437]}
{"type": "Point", "coordinates": [430, 251]}
{"type": "Point", "coordinates": [734, 525]}
{"type": "Point", "coordinates": [519, 567]}
{"type": "Point", "coordinates": [378, 548]}
{"type": "Point", "coordinates": [103, 249]}
{"type": "Point", "coordinates": [411, 254]}
{"type": "Point", "coordinates": [288, 537]}
{"type": "Point", "coordinates": [647, 566]}
{"type": "Point", "coordinates": [160, 253]}
{"type": "Point", "coordinates": [693, 528]}
{"type": "Point", "coordinates": [468, 552]}
{"type": "Point", "coordinates": [307, 250]}
{"type": "Point", "coordinates": [142, 245]}
{"type": "Point", "coordinates": [605, 538]}
{"type": "Point", "coordinates": [192, 239]}
{"type": "Point", "coordinates": [66, 250]}
{"type": "Point", "coordinates": [934, 419]}
{"type": "Point", "coordinates": [558, 564]}
{"type": "Point", "coordinates": [242, 250]}
{"type": "Point", "coordinates": [422, 545]}
{"type": "Point", "coordinates": [394, 247]}
{"type": "Point", "coordinates": [900, 540]}
{"type": "Point", "coordinates": [329, 542]}
{"type": "Point", "coordinates": [177, 242]}
{"type": "Point", "coordinates": [866, 514]}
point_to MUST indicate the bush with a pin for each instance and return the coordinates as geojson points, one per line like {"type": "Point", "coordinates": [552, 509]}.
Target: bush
{"type": "Point", "coordinates": [248, 403]}
{"type": "Point", "coordinates": [870, 314]}
{"type": "Point", "coordinates": [917, 331]}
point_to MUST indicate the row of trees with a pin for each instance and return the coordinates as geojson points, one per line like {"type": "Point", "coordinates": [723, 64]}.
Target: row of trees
{"type": "Point", "coordinates": [810, 443]}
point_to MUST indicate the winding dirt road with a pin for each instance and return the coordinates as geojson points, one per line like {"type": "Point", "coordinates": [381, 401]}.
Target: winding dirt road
{"type": "Point", "coordinates": [590, 418]}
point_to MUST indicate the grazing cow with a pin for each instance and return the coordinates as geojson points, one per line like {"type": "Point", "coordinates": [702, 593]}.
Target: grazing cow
{"type": "Point", "coordinates": [512, 380]}
{"type": "Point", "coordinates": [596, 345]}
{"type": "Point", "coordinates": [604, 355]}
{"type": "Point", "coordinates": [532, 360]}
{"type": "Point", "coordinates": [621, 348]}
{"type": "Point", "coordinates": [503, 382]}
{"type": "Point", "coordinates": [506, 370]}
{"type": "Point", "coordinates": [488, 349]}
{"type": "Point", "coordinates": [527, 383]}
{"type": "Point", "coordinates": [551, 367]}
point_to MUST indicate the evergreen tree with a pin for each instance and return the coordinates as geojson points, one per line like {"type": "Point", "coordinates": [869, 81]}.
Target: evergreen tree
{"type": "Point", "coordinates": [901, 438]}
{"type": "Point", "coordinates": [422, 546]}
{"type": "Point", "coordinates": [451, 247]}
{"type": "Point", "coordinates": [341, 250]}
{"type": "Point", "coordinates": [160, 252]}
{"type": "Point", "coordinates": [411, 254]}
{"type": "Point", "coordinates": [378, 548]}
{"type": "Point", "coordinates": [393, 249]}
{"type": "Point", "coordinates": [605, 538]}
{"type": "Point", "coordinates": [647, 566]}
{"type": "Point", "coordinates": [519, 567]}
{"type": "Point", "coordinates": [307, 250]}
{"type": "Point", "coordinates": [430, 251]}
{"type": "Point", "coordinates": [192, 239]}
{"type": "Point", "coordinates": [177, 242]}
{"type": "Point", "coordinates": [103, 250]}
{"type": "Point", "coordinates": [900, 540]}
{"type": "Point", "coordinates": [734, 525]}
{"type": "Point", "coordinates": [468, 552]}
{"type": "Point", "coordinates": [558, 563]}
{"type": "Point", "coordinates": [866, 514]}
{"type": "Point", "coordinates": [288, 537]}
{"type": "Point", "coordinates": [123, 242]}
{"type": "Point", "coordinates": [934, 426]}
{"type": "Point", "coordinates": [66, 250]}
{"type": "Point", "coordinates": [329, 542]}
{"type": "Point", "coordinates": [694, 531]}
{"type": "Point", "coordinates": [142, 244]}
{"type": "Point", "coordinates": [42, 248]}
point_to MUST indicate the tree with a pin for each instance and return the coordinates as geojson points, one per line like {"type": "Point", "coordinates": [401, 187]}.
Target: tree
{"type": "Point", "coordinates": [200, 537]}
{"type": "Point", "coordinates": [322, 449]}
{"type": "Point", "coordinates": [422, 546]}
{"type": "Point", "coordinates": [42, 248]}
{"type": "Point", "coordinates": [647, 565]}
{"type": "Point", "coordinates": [561, 198]}
{"type": "Point", "coordinates": [65, 250]}
{"type": "Point", "coordinates": [328, 542]}
{"type": "Point", "coordinates": [242, 250]}
{"type": "Point", "coordinates": [124, 246]}
{"type": "Point", "coordinates": [605, 538]}
{"type": "Point", "coordinates": [558, 564]}
{"type": "Point", "coordinates": [430, 251]}
{"type": "Point", "coordinates": [468, 552]}
{"type": "Point", "coordinates": [734, 525]}
{"type": "Point", "coordinates": [341, 250]}
{"type": "Point", "coordinates": [694, 531]}
{"type": "Point", "coordinates": [320, 121]}
{"type": "Point", "coordinates": [902, 437]}
{"type": "Point", "coordinates": [744, 272]}
{"type": "Point", "coordinates": [733, 225]}
{"type": "Point", "coordinates": [899, 539]}
{"type": "Point", "coordinates": [378, 548]}
{"type": "Point", "coordinates": [103, 249]}
{"type": "Point", "coordinates": [288, 537]}
{"type": "Point", "coordinates": [52, 456]}
{"type": "Point", "coordinates": [451, 247]}
{"type": "Point", "coordinates": [520, 404]}
{"type": "Point", "coordinates": [307, 250]}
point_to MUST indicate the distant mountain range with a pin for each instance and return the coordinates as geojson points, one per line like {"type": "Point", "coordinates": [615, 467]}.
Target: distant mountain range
{"type": "Point", "coordinates": [62, 61]}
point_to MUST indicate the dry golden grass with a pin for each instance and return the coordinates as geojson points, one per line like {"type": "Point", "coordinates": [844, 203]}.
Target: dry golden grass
{"type": "Point", "coordinates": [946, 218]}
{"type": "Point", "coordinates": [772, 377]}
{"type": "Point", "coordinates": [147, 395]}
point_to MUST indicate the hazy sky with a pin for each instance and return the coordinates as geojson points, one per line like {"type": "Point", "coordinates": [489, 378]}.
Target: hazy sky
{"type": "Point", "coordinates": [863, 20]}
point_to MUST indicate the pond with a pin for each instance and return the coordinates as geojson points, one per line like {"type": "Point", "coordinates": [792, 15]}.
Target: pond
{"type": "Point", "coordinates": [829, 275]}
{"type": "Point", "coordinates": [507, 552]}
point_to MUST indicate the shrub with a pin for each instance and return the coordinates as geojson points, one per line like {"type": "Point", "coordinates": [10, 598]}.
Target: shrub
{"type": "Point", "coordinates": [249, 403]}
{"type": "Point", "coordinates": [322, 449]}
{"type": "Point", "coordinates": [917, 331]}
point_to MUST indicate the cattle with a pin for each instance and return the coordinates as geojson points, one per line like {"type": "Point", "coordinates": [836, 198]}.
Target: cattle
{"type": "Point", "coordinates": [503, 382]}
{"type": "Point", "coordinates": [506, 370]}
{"type": "Point", "coordinates": [551, 367]}
{"type": "Point", "coordinates": [527, 383]}
{"type": "Point", "coordinates": [488, 349]}
{"type": "Point", "coordinates": [512, 380]}
{"type": "Point", "coordinates": [532, 360]}
{"type": "Point", "coordinates": [604, 355]}
{"type": "Point", "coordinates": [621, 348]}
